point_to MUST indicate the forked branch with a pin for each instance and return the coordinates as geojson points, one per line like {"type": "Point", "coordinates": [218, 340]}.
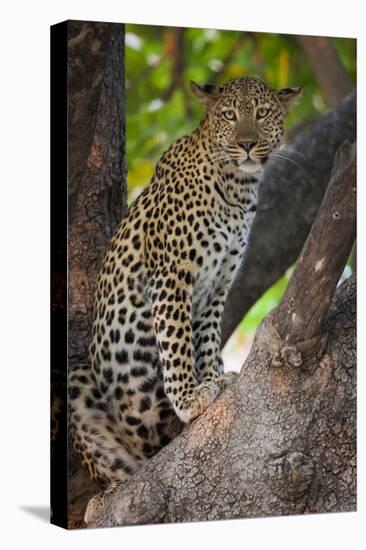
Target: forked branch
{"type": "Point", "coordinates": [281, 440]}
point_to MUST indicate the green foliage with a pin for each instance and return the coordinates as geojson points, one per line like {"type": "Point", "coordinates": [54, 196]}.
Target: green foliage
{"type": "Point", "coordinates": [161, 108]}
{"type": "Point", "coordinates": [270, 299]}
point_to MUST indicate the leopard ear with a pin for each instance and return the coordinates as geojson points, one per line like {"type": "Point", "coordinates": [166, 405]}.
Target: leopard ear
{"type": "Point", "coordinates": [208, 94]}
{"type": "Point", "coordinates": [288, 97]}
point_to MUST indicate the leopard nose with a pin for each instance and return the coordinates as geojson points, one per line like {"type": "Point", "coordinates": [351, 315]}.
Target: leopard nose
{"type": "Point", "coordinates": [247, 145]}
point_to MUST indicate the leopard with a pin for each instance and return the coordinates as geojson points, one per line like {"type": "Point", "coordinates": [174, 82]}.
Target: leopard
{"type": "Point", "coordinates": [155, 352]}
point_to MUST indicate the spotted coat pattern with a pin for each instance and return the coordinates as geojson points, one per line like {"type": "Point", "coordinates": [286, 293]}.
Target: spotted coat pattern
{"type": "Point", "coordinates": [155, 360]}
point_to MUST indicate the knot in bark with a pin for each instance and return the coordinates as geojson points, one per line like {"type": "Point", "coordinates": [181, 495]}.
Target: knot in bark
{"type": "Point", "coordinates": [304, 354]}
{"type": "Point", "coordinates": [298, 467]}
{"type": "Point", "coordinates": [291, 356]}
{"type": "Point", "coordinates": [295, 473]}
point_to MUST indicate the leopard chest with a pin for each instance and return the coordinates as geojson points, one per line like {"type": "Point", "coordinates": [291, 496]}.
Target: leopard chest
{"type": "Point", "coordinates": [224, 241]}
{"type": "Point", "coordinates": [221, 261]}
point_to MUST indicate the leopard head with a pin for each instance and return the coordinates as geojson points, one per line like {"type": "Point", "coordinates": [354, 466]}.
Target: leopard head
{"type": "Point", "coordinates": [245, 119]}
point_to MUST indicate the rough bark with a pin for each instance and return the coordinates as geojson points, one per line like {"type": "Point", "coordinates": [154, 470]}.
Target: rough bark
{"type": "Point", "coordinates": [282, 439]}
{"type": "Point", "coordinates": [279, 441]}
{"type": "Point", "coordinates": [333, 78]}
{"type": "Point", "coordinates": [88, 45]}
{"type": "Point", "coordinates": [310, 290]}
{"type": "Point", "coordinates": [101, 197]}
{"type": "Point", "coordinates": [97, 182]}
{"type": "Point", "coordinates": [289, 198]}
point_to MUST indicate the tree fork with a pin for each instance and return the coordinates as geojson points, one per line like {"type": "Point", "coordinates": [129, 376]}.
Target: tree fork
{"type": "Point", "coordinates": [299, 317]}
{"type": "Point", "coordinates": [280, 440]}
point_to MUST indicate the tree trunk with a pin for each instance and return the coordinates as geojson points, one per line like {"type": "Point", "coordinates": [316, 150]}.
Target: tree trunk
{"type": "Point", "coordinates": [289, 198]}
{"type": "Point", "coordinates": [97, 179]}
{"type": "Point", "coordinates": [282, 439]}
{"type": "Point", "coordinates": [277, 442]}
{"type": "Point", "coordinates": [88, 44]}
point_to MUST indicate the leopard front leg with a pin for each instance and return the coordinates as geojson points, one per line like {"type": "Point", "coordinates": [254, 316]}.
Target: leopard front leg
{"type": "Point", "coordinates": [207, 343]}
{"type": "Point", "coordinates": [172, 311]}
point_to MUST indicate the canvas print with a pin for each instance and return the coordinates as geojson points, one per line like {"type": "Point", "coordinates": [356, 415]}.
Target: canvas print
{"type": "Point", "coordinates": [203, 274]}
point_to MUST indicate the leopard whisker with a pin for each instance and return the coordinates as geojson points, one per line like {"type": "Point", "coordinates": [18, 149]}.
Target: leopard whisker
{"type": "Point", "coordinates": [292, 151]}
{"type": "Point", "coordinates": [284, 157]}
{"type": "Point", "coordinates": [220, 157]}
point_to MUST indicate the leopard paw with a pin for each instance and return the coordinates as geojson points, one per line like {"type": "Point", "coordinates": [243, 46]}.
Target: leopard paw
{"type": "Point", "coordinates": [195, 404]}
{"type": "Point", "coordinates": [226, 379]}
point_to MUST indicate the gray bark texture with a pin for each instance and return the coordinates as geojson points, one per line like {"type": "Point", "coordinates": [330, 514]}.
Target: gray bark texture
{"type": "Point", "coordinates": [97, 190]}
{"type": "Point", "coordinates": [289, 199]}
{"type": "Point", "coordinates": [282, 439]}
{"type": "Point", "coordinates": [279, 441]}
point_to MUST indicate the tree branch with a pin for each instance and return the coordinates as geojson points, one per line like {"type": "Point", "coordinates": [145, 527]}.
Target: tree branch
{"type": "Point", "coordinates": [321, 262]}
{"type": "Point", "coordinates": [174, 50]}
{"type": "Point", "coordinates": [333, 79]}
{"type": "Point", "coordinates": [280, 440]}
{"type": "Point", "coordinates": [289, 198]}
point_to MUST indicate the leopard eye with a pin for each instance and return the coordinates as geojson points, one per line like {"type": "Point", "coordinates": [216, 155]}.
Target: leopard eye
{"type": "Point", "coordinates": [262, 112]}
{"type": "Point", "coordinates": [230, 115]}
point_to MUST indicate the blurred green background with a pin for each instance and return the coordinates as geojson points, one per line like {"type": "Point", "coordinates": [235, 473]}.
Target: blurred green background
{"type": "Point", "coordinates": [160, 62]}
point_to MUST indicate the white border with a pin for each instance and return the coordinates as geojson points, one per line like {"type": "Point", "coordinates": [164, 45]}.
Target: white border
{"type": "Point", "coordinates": [24, 215]}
